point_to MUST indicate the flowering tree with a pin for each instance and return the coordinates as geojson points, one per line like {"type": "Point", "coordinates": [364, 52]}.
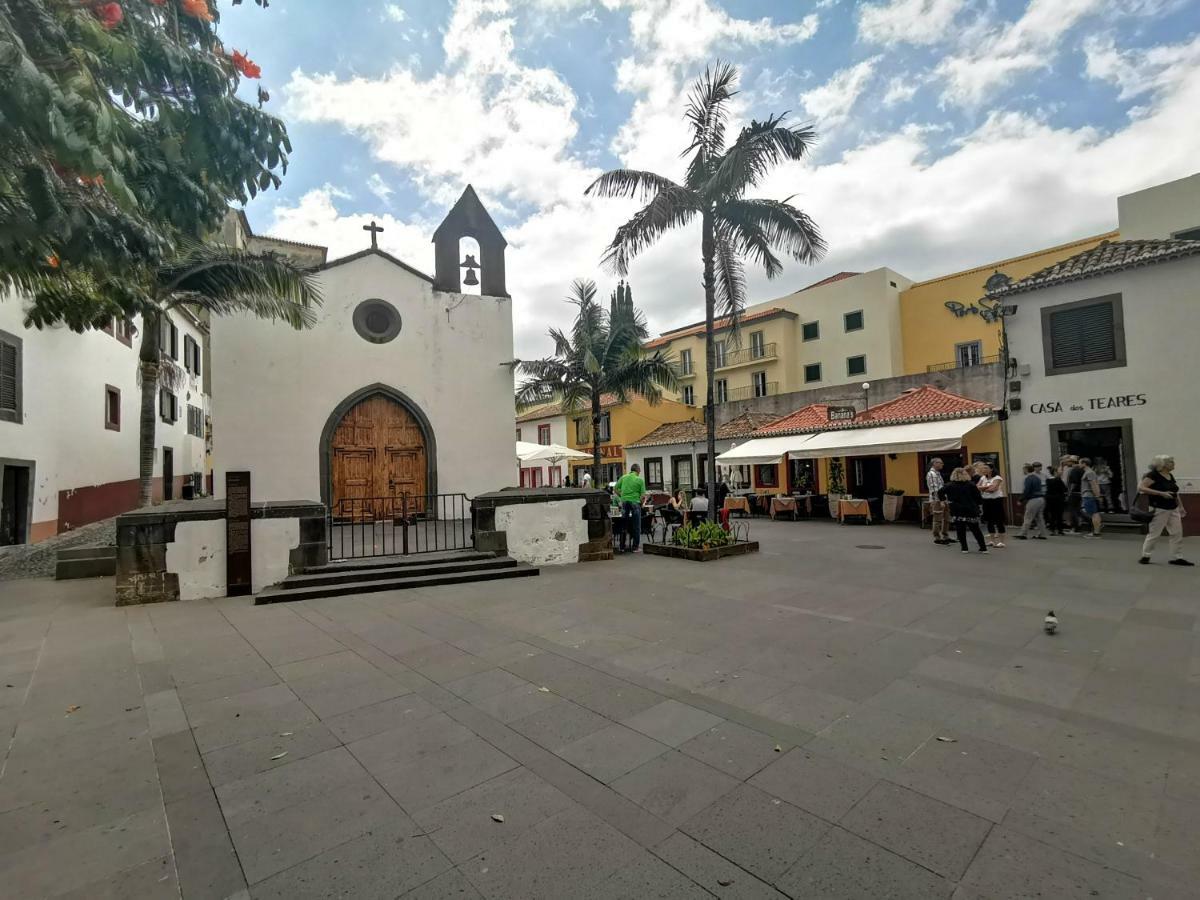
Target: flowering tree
{"type": "Point", "coordinates": [122, 138]}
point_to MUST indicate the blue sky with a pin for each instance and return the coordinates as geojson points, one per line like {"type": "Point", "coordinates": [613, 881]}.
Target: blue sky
{"type": "Point", "coordinates": [953, 132]}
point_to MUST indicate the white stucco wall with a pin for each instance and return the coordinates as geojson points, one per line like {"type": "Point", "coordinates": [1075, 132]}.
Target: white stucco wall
{"type": "Point", "coordinates": [1161, 337]}
{"type": "Point", "coordinates": [275, 388]}
{"type": "Point", "coordinates": [639, 455]}
{"type": "Point", "coordinates": [64, 375]}
{"type": "Point", "coordinates": [197, 555]}
{"type": "Point", "coordinates": [544, 534]}
{"type": "Point", "coordinates": [1160, 211]}
{"type": "Point", "coordinates": [558, 435]}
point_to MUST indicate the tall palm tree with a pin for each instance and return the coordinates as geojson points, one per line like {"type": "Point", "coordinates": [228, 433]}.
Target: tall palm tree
{"type": "Point", "coordinates": [201, 276]}
{"type": "Point", "coordinates": [732, 226]}
{"type": "Point", "coordinates": [602, 355]}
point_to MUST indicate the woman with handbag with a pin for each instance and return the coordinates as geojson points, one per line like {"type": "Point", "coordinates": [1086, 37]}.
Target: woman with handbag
{"type": "Point", "coordinates": [1158, 503]}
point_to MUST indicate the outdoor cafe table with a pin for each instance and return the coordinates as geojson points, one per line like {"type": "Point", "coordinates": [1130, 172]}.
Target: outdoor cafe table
{"type": "Point", "coordinates": [737, 504]}
{"type": "Point", "coordinates": [783, 505]}
{"type": "Point", "coordinates": [853, 508]}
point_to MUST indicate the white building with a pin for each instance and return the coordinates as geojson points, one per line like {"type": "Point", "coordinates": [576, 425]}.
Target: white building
{"type": "Point", "coordinates": [544, 425]}
{"type": "Point", "coordinates": [403, 386]}
{"type": "Point", "coordinates": [69, 407]}
{"type": "Point", "coordinates": [1104, 348]}
{"type": "Point", "coordinates": [673, 455]}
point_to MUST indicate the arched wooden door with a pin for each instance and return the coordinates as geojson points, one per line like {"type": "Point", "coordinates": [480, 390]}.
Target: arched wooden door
{"type": "Point", "coordinates": [377, 454]}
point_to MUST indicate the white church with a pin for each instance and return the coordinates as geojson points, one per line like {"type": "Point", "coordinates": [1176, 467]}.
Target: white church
{"type": "Point", "coordinates": [404, 386]}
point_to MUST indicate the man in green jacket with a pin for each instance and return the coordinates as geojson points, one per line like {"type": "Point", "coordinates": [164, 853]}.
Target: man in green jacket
{"type": "Point", "coordinates": [630, 489]}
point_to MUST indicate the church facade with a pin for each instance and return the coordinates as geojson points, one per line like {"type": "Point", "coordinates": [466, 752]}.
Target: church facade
{"type": "Point", "coordinates": [403, 387]}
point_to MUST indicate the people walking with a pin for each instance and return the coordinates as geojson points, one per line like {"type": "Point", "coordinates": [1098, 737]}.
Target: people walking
{"type": "Point", "coordinates": [1033, 495]}
{"type": "Point", "coordinates": [934, 482]}
{"type": "Point", "coordinates": [1073, 476]}
{"type": "Point", "coordinates": [1104, 476]}
{"type": "Point", "coordinates": [964, 501]}
{"type": "Point", "coordinates": [1160, 486]}
{"type": "Point", "coordinates": [1056, 501]}
{"type": "Point", "coordinates": [1089, 497]}
{"type": "Point", "coordinates": [629, 490]}
{"type": "Point", "coordinates": [991, 488]}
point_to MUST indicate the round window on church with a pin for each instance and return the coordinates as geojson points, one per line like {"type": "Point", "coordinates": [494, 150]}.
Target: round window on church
{"type": "Point", "coordinates": [376, 321]}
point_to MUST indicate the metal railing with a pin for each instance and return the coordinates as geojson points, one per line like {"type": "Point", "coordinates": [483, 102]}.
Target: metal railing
{"type": "Point", "coordinates": [748, 355]}
{"type": "Point", "coordinates": [960, 364]}
{"type": "Point", "coordinates": [361, 527]}
{"type": "Point", "coordinates": [749, 392]}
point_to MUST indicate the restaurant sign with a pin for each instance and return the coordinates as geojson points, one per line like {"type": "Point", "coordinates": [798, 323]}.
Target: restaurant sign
{"type": "Point", "coordinates": [842, 413]}
{"type": "Point", "coordinates": [1120, 401]}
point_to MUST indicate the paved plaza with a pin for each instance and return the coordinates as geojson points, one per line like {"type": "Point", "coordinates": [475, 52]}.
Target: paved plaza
{"type": "Point", "coordinates": [852, 713]}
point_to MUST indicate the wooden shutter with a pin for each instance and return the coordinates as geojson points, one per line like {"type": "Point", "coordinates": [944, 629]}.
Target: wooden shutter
{"type": "Point", "coordinates": [10, 388]}
{"type": "Point", "coordinates": [1082, 336]}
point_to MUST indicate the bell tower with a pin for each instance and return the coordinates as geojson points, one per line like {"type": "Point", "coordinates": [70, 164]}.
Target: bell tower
{"type": "Point", "coordinates": [468, 219]}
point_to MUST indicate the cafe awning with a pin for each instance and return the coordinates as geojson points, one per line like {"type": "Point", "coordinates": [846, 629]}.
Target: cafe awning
{"type": "Point", "coordinates": [917, 437]}
{"type": "Point", "coordinates": [764, 451]}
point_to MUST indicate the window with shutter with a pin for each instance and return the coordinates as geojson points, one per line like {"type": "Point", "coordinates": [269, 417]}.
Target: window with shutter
{"type": "Point", "coordinates": [187, 352]}
{"type": "Point", "coordinates": [1082, 336]}
{"type": "Point", "coordinates": [10, 378]}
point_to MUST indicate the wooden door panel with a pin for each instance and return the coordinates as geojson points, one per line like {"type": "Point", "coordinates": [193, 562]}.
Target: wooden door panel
{"type": "Point", "coordinates": [378, 451]}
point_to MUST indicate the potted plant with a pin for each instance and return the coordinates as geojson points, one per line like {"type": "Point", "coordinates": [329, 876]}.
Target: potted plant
{"type": "Point", "coordinates": [893, 502]}
{"type": "Point", "coordinates": [837, 484]}
{"type": "Point", "coordinates": [701, 543]}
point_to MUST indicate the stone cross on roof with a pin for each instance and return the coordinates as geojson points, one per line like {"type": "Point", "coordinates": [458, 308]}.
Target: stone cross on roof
{"type": "Point", "coordinates": [374, 229]}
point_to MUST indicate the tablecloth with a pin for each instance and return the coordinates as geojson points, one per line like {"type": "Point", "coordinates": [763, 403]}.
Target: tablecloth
{"type": "Point", "coordinates": [853, 508]}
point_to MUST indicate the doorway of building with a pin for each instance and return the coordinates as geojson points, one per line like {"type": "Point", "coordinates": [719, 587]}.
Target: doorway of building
{"type": "Point", "coordinates": [14, 505]}
{"type": "Point", "coordinates": [865, 474]}
{"type": "Point", "coordinates": [168, 474]}
{"type": "Point", "coordinates": [1109, 446]}
{"type": "Point", "coordinates": [377, 455]}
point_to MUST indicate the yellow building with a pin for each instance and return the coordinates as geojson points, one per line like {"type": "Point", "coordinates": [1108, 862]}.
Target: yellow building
{"type": "Point", "coordinates": [943, 324]}
{"type": "Point", "coordinates": [620, 424]}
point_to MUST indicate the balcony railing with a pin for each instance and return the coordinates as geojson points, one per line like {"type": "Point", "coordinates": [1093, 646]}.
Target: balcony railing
{"type": "Point", "coordinates": [963, 364]}
{"type": "Point", "coordinates": [749, 392]}
{"type": "Point", "coordinates": [731, 358]}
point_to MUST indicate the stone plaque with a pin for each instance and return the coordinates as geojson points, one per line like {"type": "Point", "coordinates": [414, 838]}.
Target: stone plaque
{"type": "Point", "coordinates": [239, 578]}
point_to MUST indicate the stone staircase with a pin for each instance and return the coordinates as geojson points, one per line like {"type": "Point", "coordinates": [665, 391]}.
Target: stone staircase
{"type": "Point", "coordinates": [395, 573]}
{"type": "Point", "coordinates": [85, 562]}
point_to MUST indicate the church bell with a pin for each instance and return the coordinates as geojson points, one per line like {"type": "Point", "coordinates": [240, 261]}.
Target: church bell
{"type": "Point", "coordinates": [470, 265]}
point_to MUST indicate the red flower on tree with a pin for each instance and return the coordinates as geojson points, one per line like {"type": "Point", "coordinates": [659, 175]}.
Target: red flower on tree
{"type": "Point", "coordinates": [197, 9]}
{"type": "Point", "coordinates": [243, 64]}
{"type": "Point", "coordinates": [109, 14]}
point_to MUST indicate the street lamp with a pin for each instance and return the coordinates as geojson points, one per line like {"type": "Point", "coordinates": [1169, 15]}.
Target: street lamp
{"type": "Point", "coordinates": [866, 386]}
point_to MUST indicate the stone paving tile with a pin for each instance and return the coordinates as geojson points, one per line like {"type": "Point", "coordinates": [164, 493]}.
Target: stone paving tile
{"type": "Point", "coordinates": [1010, 865]}
{"type": "Point", "coordinates": [204, 854]}
{"type": "Point", "coordinates": [216, 688]}
{"type": "Point", "coordinates": [518, 702]}
{"type": "Point", "coordinates": [818, 784]}
{"type": "Point", "coordinates": [734, 749]}
{"type": "Point", "coordinates": [672, 722]}
{"type": "Point", "coordinates": [463, 827]}
{"type": "Point", "coordinates": [612, 751]}
{"type": "Point", "coordinates": [743, 688]}
{"type": "Point", "coordinates": [647, 878]}
{"type": "Point", "coordinates": [426, 780]}
{"type": "Point", "coordinates": [976, 775]}
{"type": "Point", "coordinates": [940, 837]}
{"type": "Point", "coordinates": [368, 720]}
{"type": "Point", "coordinates": [712, 872]}
{"type": "Point", "coordinates": [180, 769]}
{"type": "Point", "coordinates": [874, 735]}
{"type": "Point", "coordinates": [428, 736]}
{"type": "Point", "coordinates": [239, 727]}
{"type": "Point", "coordinates": [250, 757]}
{"type": "Point", "coordinates": [560, 725]}
{"type": "Point", "coordinates": [289, 784]}
{"type": "Point", "coordinates": [153, 880]}
{"type": "Point", "coordinates": [843, 866]}
{"type": "Point", "coordinates": [1101, 749]}
{"type": "Point", "coordinates": [328, 701]}
{"type": "Point", "coordinates": [385, 862]}
{"type": "Point", "coordinates": [451, 885]}
{"type": "Point", "coordinates": [481, 685]}
{"type": "Point", "coordinates": [805, 708]}
{"type": "Point", "coordinates": [342, 667]}
{"type": "Point", "coordinates": [674, 787]}
{"type": "Point", "coordinates": [758, 832]}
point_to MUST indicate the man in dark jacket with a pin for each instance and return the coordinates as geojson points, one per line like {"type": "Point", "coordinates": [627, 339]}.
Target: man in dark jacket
{"type": "Point", "coordinates": [1033, 495]}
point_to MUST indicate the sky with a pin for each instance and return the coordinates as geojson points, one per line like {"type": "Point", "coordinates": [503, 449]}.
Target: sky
{"type": "Point", "coordinates": [951, 132]}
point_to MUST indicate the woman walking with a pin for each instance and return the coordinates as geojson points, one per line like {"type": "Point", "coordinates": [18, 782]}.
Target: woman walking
{"type": "Point", "coordinates": [964, 500]}
{"type": "Point", "coordinates": [991, 487]}
{"type": "Point", "coordinates": [1159, 484]}
{"type": "Point", "coordinates": [1056, 500]}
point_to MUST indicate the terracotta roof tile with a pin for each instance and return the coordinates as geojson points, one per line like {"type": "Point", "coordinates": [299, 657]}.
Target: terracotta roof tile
{"type": "Point", "coordinates": [840, 276]}
{"type": "Point", "coordinates": [1105, 258]}
{"type": "Point", "coordinates": [690, 431]}
{"type": "Point", "coordinates": [923, 404]}
{"type": "Point", "coordinates": [686, 331]}
{"type": "Point", "coordinates": [556, 409]}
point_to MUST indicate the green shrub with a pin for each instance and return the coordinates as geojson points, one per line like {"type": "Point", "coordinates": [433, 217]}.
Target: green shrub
{"type": "Point", "coordinates": [702, 536]}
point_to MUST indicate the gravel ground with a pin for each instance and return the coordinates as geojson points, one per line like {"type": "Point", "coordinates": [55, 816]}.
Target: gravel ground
{"type": "Point", "coordinates": [34, 560]}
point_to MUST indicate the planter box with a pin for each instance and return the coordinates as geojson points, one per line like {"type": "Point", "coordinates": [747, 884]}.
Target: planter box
{"type": "Point", "coordinates": [892, 504]}
{"type": "Point", "coordinates": [701, 555]}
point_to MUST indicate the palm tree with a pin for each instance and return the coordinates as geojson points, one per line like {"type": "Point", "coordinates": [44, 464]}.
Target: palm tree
{"type": "Point", "coordinates": [602, 355]}
{"type": "Point", "coordinates": [201, 276]}
{"type": "Point", "coordinates": [732, 226]}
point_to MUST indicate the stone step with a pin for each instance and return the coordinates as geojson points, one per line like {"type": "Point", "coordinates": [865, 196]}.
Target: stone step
{"type": "Point", "coordinates": [392, 562]}
{"type": "Point", "coordinates": [86, 567]}
{"type": "Point", "coordinates": [346, 574]}
{"type": "Point", "coordinates": [109, 552]}
{"type": "Point", "coordinates": [284, 593]}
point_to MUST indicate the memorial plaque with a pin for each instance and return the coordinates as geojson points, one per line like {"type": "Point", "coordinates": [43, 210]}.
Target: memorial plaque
{"type": "Point", "coordinates": [239, 579]}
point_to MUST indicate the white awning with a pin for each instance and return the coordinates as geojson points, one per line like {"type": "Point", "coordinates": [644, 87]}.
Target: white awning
{"type": "Point", "coordinates": [763, 451]}
{"type": "Point", "coordinates": [946, 434]}
{"type": "Point", "coordinates": [527, 452]}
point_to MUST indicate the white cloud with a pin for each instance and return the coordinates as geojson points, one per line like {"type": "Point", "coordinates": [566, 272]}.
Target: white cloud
{"type": "Point", "coordinates": [907, 21]}
{"type": "Point", "coordinates": [380, 188]}
{"type": "Point", "coordinates": [1137, 71]}
{"type": "Point", "coordinates": [831, 102]}
{"type": "Point", "coordinates": [392, 12]}
{"type": "Point", "coordinates": [991, 56]}
{"type": "Point", "coordinates": [900, 89]}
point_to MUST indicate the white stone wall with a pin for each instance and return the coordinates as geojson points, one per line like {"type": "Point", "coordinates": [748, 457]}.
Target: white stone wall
{"type": "Point", "coordinates": [558, 435]}
{"type": "Point", "coordinates": [197, 555]}
{"type": "Point", "coordinates": [544, 534]}
{"type": "Point", "coordinates": [639, 455]}
{"type": "Point", "coordinates": [1160, 211]}
{"type": "Point", "coordinates": [276, 388]}
{"type": "Point", "coordinates": [1161, 337]}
